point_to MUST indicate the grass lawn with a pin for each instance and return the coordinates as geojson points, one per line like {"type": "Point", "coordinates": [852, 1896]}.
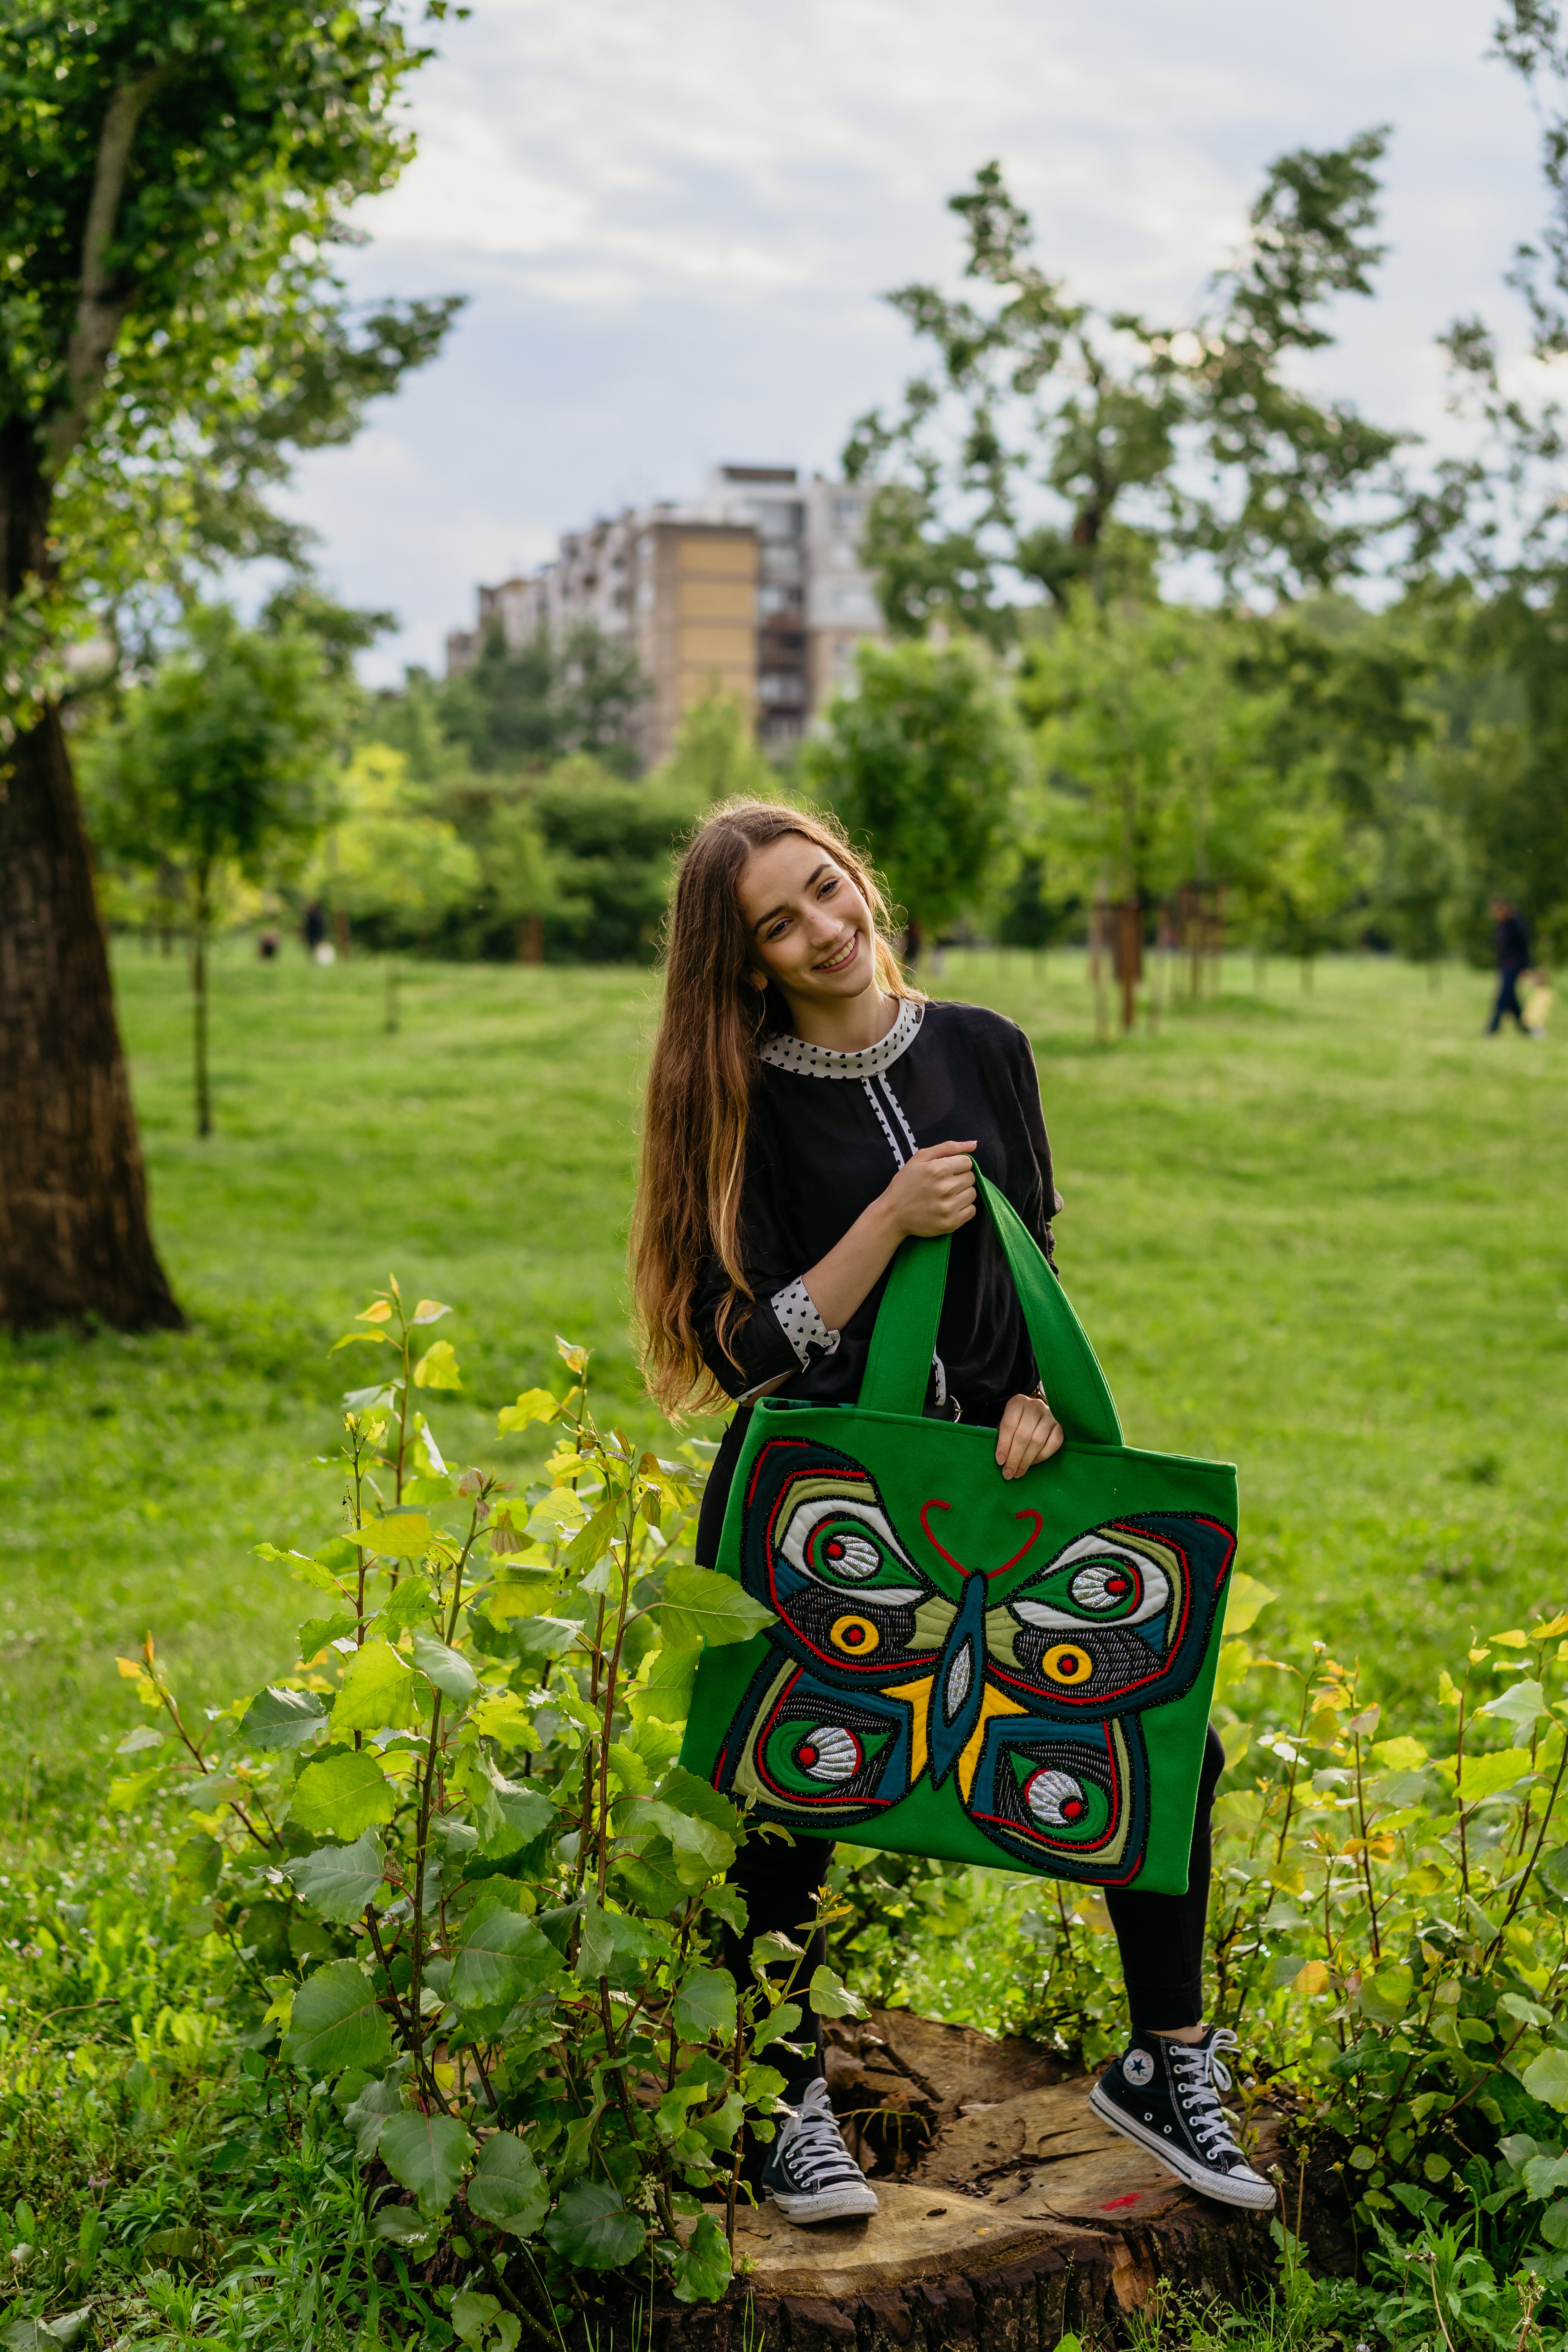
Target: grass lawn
{"type": "Point", "coordinates": [1321, 1235]}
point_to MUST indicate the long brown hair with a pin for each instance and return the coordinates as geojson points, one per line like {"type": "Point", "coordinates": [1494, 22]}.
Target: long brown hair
{"type": "Point", "coordinates": [704, 1067]}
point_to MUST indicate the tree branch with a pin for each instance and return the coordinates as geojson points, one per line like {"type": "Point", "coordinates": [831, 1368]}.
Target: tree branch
{"type": "Point", "coordinates": [104, 299]}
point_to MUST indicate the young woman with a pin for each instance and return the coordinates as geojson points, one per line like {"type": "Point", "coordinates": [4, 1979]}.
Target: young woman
{"type": "Point", "coordinates": [807, 1111]}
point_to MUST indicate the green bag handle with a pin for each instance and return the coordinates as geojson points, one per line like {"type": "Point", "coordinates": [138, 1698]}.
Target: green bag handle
{"type": "Point", "coordinates": [898, 1364]}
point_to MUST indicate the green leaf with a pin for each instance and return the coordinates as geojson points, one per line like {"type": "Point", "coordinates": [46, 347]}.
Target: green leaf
{"type": "Point", "coordinates": [704, 2272]}
{"type": "Point", "coordinates": [513, 1816]}
{"type": "Point", "coordinates": [337, 1882]}
{"type": "Point", "coordinates": [533, 1404]}
{"type": "Point", "coordinates": [425, 2154]}
{"type": "Point", "coordinates": [1520, 1704]}
{"type": "Point", "coordinates": [281, 1718]}
{"type": "Point", "coordinates": [437, 1368]}
{"type": "Point", "coordinates": [341, 1793]}
{"type": "Point", "coordinates": [378, 1692]}
{"type": "Point", "coordinates": [198, 1866]}
{"type": "Point", "coordinates": [337, 2022]}
{"type": "Point", "coordinates": [700, 1606]}
{"type": "Point", "coordinates": [705, 2004]}
{"type": "Point", "coordinates": [831, 1997]}
{"type": "Point", "coordinates": [1401, 1755]}
{"type": "Point", "coordinates": [703, 1852]}
{"type": "Point", "coordinates": [429, 1310]}
{"type": "Point", "coordinates": [1245, 1603]}
{"type": "Point", "coordinates": [663, 1692]}
{"type": "Point", "coordinates": [1554, 1868]}
{"type": "Point", "coordinates": [1385, 1994]}
{"type": "Point", "coordinates": [448, 1669]}
{"type": "Point", "coordinates": [401, 1535]}
{"type": "Point", "coordinates": [504, 1956]}
{"type": "Point", "coordinates": [366, 2115]}
{"type": "Point", "coordinates": [592, 2229]}
{"type": "Point", "coordinates": [553, 1513]}
{"type": "Point", "coordinates": [508, 2189]}
{"type": "Point", "coordinates": [778, 2024]}
{"type": "Point", "coordinates": [125, 1795]}
{"type": "Point", "coordinates": [404, 2226]}
{"type": "Point", "coordinates": [591, 1542]}
{"type": "Point", "coordinates": [411, 1602]}
{"type": "Point", "coordinates": [616, 1946]}
{"type": "Point", "coordinates": [1487, 1776]}
{"type": "Point", "coordinates": [545, 1637]}
{"type": "Point", "coordinates": [474, 2317]}
{"type": "Point", "coordinates": [317, 1631]}
{"type": "Point", "coordinates": [1546, 2078]}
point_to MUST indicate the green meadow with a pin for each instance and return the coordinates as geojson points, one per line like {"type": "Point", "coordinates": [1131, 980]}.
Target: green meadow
{"type": "Point", "coordinates": [1321, 1234]}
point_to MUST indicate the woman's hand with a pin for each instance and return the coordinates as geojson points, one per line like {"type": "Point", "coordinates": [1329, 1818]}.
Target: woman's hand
{"type": "Point", "coordinates": [934, 1192]}
{"type": "Point", "coordinates": [1030, 1432]}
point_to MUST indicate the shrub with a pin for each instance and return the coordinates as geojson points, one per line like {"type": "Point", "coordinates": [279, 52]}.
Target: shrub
{"type": "Point", "coordinates": [471, 1893]}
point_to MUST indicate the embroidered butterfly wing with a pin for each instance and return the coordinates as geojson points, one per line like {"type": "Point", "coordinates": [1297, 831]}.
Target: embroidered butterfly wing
{"type": "Point", "coordinates": [1018, 1684]}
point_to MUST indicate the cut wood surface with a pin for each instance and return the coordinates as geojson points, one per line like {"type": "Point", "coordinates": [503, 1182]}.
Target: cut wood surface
{"type": "Point", "coordinates": [1009, 2214]}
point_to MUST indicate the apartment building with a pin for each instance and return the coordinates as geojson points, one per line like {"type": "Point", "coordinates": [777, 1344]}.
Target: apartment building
{"type": "Point", "coordinates": [756, 586]}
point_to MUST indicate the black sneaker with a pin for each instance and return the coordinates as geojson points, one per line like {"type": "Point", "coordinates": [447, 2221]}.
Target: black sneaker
{"type": "Point", "coordinates": [810, 2174]}
{"type": "Point", "coordinates": [1161, 2094]}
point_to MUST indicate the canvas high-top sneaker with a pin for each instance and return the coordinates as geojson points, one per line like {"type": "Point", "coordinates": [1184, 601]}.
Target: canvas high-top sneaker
{"type": "Point", "coordinates": [1163, 2095]}
{"type": "Point", "coordinates": [810, 2174]}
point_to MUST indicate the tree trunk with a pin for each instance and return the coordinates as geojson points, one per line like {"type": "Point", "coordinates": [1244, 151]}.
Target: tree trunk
{"type": "Point", "coordinates": [74, 1237]}
{"type": "Point", "coordinates": [199, 931]}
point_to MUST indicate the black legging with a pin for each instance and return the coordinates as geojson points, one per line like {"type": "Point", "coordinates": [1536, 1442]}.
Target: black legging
{"type": "Point", "coordinates": [1159, 1937]}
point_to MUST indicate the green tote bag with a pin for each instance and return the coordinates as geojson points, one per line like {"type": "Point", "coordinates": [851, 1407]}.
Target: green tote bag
{"type": "Point", "coordinates": [1013, 1673]}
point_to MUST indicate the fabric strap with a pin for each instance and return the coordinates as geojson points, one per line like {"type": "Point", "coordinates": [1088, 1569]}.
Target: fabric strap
{"type": "Point", "coordinates": [898, 1364]}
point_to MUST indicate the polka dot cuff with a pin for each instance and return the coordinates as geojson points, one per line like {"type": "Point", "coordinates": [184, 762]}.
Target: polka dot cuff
{"type": "Point", "coordinates": [792, 1053]}
{"type": "Point", "coordinates": [801, 1324]}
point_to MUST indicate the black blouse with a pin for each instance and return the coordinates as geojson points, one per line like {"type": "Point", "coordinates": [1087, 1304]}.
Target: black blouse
{"type": "Point", "coordinates": [828, 1132]}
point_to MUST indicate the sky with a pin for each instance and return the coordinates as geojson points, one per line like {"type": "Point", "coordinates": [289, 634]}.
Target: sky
{"type": "Point", "coordinates": [673, 221]}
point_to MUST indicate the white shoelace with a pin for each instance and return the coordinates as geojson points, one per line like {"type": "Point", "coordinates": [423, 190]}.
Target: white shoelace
{"type": "Point", "coordinates": [1198, 2068]}
{"type": "Point", "coordinates": [814, 2147]}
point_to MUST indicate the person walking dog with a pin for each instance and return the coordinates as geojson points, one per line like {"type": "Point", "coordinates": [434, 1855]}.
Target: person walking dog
{"type": "Point", "coordinates": [807, 1110]}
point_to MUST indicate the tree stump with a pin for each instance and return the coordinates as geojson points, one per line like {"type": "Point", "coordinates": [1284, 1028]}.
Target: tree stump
{"type": "Point", "coordinates": [1010, 2216]}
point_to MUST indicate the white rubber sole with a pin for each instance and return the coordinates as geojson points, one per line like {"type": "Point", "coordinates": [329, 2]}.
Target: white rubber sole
{"type": "Point", "coordinates": [832, 2205]}
{"type": "Point", "coordinates": [1250, 2191]}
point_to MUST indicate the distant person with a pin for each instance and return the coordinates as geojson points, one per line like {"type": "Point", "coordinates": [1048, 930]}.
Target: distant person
{"type": "Point", "coordinates": [318, 946]}
{"type": "Point", "coordinates": [914, 941]}
{"type": "Point", "coordinates": [267, 945]}
{"type": "Point", "coordinates": [1511, 951]}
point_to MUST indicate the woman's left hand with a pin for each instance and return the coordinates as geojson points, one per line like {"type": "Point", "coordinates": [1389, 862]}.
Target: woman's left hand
{"type": "Point", "coordinates": [1030, 1432]}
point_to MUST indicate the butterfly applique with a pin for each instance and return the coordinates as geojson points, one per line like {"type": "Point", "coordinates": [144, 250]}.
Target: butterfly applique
{"type": "Point", "coordinates": [1019, 1683]}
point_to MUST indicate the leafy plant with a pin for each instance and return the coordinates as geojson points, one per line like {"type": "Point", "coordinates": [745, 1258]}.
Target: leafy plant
{"type": "Point", "coordinates": [460, 1817]}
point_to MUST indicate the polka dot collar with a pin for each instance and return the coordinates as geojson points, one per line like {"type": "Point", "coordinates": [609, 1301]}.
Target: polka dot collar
{"type": "Point", "coordinates": [822, 1062]}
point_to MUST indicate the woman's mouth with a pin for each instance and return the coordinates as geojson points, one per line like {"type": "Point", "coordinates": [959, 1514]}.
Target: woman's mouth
{"type": "Point", "coordinates": [845, 955]}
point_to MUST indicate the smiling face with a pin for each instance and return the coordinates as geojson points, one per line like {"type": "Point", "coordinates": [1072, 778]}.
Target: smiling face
{"type": "Point", "coordinates": [808, 926]}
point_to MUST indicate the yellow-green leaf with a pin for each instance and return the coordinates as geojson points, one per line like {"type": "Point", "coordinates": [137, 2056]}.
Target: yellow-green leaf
{"type": "Point", "coordinates": [401, 1535]}
{"type": "Point", "coordinates": [437, 1368]}
{"type": "Point", "coordinates": [1245, 1603]}
{"type": "Point", "coordinates": [533, 1404]}
{"type": "Point", "coordinates": [378, 1692]}
{"type": "Point", "coordinates": [1401, 1755]}
{"type": "Point", "coordinates": [429, 1310]}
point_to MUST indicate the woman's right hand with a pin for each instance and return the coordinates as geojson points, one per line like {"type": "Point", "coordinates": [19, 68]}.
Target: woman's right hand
{"type": "Point", "coordinates": [934, 1192]}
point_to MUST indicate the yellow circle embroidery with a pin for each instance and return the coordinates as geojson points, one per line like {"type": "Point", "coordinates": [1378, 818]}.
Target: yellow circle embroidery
{"type": "Point", "coordinates": [1068, 1663]}
{"type": "Point", "coordinates": [856, 1636]}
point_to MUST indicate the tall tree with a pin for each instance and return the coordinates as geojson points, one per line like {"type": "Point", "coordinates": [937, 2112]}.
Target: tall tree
{"type": "Point", "coordinates": [1051, 446]}
{"type": "Point", "coordinates": [923, 761]}
{"type": "Point", "coordinates": [174, 175]}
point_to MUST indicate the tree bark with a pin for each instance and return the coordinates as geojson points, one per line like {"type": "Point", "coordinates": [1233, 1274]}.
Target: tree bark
{"type": "Point", "coordinates": [200, 934]}
{"type": "Point", "coordinates": [74, 1234]}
